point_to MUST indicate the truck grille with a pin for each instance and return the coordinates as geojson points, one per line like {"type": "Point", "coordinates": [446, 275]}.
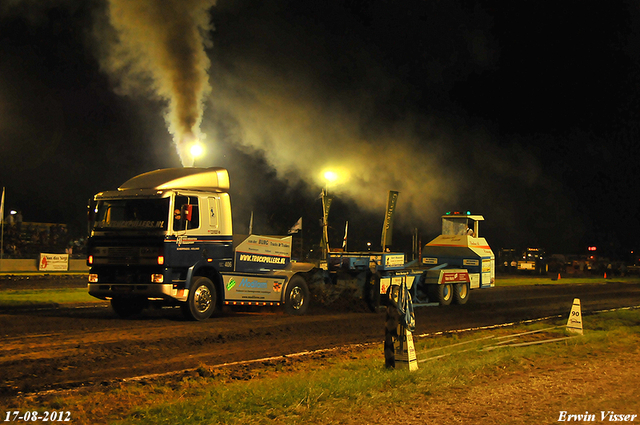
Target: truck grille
{"type": "Point", "coordinates": [123, 255]}
{"type": "Point", "coordinates": [124, 251]}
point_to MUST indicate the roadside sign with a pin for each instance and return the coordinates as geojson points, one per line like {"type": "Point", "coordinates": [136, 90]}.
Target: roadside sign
{"type": "Point", "coordinates": [54, 262]}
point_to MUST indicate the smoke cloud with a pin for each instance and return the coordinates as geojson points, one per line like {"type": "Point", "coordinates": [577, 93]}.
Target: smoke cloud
{"type": "Point", "coordinates": [309, 103]}
{"type": "Point", "coordinates": [312, 102]}
{"type": "Point", "coordinates": [302, 132]}
{"type": "Point", "coordinates": [275, 96]}
{"type": "Point", "coordinates": [159, 46]}
{"type": "Point", "coordinates": [306, 136]}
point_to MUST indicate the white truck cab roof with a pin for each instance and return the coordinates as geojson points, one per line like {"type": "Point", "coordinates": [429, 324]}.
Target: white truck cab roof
{"type": "Point", "coordinates": [206, 179]}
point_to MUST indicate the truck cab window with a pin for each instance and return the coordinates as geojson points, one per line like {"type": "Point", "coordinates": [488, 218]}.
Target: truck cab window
{"type": "Point", "coordinates": [454, 226]}
{"type": "Point", "coordinates": [131, 214]}
{"type": "Point", "coordinates": [186, 213]}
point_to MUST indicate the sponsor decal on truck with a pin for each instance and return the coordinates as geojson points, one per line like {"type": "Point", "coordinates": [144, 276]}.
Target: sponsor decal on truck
{"type": "Point", "coordinates": [454, 277]}
{"type": "Point", "coordinates": [263, 252]}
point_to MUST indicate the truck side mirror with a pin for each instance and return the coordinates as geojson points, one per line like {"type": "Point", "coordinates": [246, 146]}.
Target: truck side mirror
{"type": "Point", "coordinates": [188, 212]}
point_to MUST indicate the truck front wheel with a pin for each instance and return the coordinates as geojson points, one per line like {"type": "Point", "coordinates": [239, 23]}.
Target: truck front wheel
{"type": "Point", "coordinates": [296, 299]}
{"type": "Point", "coordinates": [202, 299]}
{"type": "Point", "coordinates": [460, 293]}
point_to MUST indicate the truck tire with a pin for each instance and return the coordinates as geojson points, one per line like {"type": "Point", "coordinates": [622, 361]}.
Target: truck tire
{"type": "Point", "coordinates": [202, 300]}
{"type": "Point", "coordinates": [460, 293]}
{"type": "Point", "coordinates": [297, 296]}
{"type": "Point", "coordinates": [443, 294]}
{"type": "Point", "coordinates": [126, 307]}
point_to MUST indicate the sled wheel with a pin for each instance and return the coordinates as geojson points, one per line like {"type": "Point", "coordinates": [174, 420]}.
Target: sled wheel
{"type": "Point", "coordinates": [460, 293]}
{"type": "Point", "coordinates": [443, 294]}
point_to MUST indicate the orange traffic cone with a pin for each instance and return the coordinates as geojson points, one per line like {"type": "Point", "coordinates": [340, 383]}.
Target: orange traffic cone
{"type": "Point", "coordinates": [605, 275]}
{"type": "Point", "coordinates": [559, 276]}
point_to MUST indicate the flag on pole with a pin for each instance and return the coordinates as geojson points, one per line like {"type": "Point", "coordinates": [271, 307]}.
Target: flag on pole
{"type": "Point", "coordinates": [387, 228]}
{"type": "Point", "coordinates": [296, 227]}
{"type": "Point", "coordinates": [344, 241]}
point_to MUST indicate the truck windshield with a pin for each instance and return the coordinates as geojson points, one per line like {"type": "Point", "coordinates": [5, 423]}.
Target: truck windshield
{"type": "Point", "coordinates": [455, 226]}
{"type": "Point", "coordinates": [132, 214]}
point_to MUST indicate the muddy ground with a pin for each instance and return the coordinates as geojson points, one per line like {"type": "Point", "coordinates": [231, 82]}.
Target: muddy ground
{"type": "Point", "coordinates": [66, 347]}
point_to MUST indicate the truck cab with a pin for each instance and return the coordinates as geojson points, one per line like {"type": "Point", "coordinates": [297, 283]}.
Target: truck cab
{"type": "Point", "coordinates": [166, 237]}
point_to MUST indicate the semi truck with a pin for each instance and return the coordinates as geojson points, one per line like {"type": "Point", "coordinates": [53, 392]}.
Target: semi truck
{"type": "Point", "coordinates": [166, 238]}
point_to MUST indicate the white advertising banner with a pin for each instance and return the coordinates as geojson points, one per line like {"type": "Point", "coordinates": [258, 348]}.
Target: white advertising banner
{"type": "Point", "coordinates": [54, 262]}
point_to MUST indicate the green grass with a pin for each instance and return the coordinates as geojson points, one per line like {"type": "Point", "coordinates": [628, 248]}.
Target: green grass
{"type": "Point", "coordinates": [41, 274]}
{"type": "Point", "coordinates": [36, 297]}
{"type": "Point", "coordinates": [564, 280]}
{"type": "Point", "coordinates": [347, 385]}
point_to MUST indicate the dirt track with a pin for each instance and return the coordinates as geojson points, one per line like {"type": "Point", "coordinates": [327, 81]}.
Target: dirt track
{"type": "Point", "coordinates": [67, 347]}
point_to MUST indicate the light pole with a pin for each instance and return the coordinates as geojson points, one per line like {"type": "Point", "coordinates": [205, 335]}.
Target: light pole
{"type": "Point", "coordinates": [329, 177]}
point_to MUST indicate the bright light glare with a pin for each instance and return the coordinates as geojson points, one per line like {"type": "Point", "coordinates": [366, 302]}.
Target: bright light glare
{"type": "Point", "coordinates": [196, 150]}
{"type": "Point", "coordinates": [330, 176]}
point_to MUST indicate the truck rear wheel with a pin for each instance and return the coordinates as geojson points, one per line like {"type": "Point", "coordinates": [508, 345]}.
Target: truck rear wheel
{"type": "Point", "coordinates": [202, 299]}
{"type": "Point", "coordinates": [443, 294]}
{"type": "Point", "coordinates": [128, 306]}
{"type": "Point", "coordinates": [460, 293]}
{"type": "Point", "coordinates": [297, 297]}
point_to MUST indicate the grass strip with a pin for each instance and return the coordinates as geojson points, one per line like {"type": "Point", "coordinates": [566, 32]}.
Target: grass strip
{"type": "Point", "coordinates": [37, 297]}
{"type": "Point", "coordinates": [546, 280]}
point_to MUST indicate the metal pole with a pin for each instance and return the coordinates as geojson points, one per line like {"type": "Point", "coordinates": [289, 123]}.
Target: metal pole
{"type": "Point", "coordinates": [2, 230]}
{"type": "Point", "coordinates": [2, 245]}
{"type": "Point", "coordinates": [325, 225]}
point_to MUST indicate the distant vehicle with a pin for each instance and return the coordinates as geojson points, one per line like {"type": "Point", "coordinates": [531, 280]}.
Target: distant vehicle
{"type": "Point", "coordinates": [508, 260]}
{"type": "Point", "coordinates": [532, 260]}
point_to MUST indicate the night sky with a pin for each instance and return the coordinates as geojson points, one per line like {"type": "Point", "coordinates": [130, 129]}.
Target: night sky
{"type": "Point", "coordinates": [525, 112]}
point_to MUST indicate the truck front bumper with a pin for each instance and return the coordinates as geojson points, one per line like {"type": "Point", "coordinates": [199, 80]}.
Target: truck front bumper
{"type": "Point", "coordinates": [167, 291]}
